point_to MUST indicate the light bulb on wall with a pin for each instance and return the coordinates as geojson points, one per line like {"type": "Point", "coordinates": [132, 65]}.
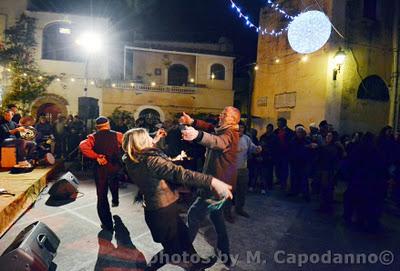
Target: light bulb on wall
{"type": "Point", "coordinates": [339, 59]}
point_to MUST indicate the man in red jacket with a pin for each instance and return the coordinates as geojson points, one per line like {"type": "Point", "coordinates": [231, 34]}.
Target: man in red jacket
{"type": "Point", "coordinates": [104, 146]}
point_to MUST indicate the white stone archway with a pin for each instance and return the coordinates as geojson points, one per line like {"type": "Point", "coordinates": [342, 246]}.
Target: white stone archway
{"type": "Point", "coordinates": [156, 108]}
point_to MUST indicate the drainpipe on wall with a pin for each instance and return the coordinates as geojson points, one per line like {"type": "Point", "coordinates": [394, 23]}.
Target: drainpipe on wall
{"type": "Point", "coordinates": [395, 69]}
{"type": "Point", "coordinates": [250, 97]}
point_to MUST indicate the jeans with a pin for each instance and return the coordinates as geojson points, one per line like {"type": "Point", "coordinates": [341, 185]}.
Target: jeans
{"type": "Point", "coordinates": [61, 148]}
{"type": "Point", "coordinates": [241, 188]}
{"type": "Point", "coordinates": [24, 148]}
{"type": "Point", "coordinates": [299, 180]}
{"type": "Point", "coordinates": [282, 171]}
{"type": "Point", "coordinates": [327, 189]}
{"type": "Point", "coordinates": [267, 175]}
{"type": "Point", "coordinates": [254, 170]}
{"type": "Point", "coordinates": [198, 212]}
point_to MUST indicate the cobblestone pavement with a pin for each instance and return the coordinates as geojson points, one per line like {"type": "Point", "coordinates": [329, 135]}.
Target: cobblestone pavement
{"type": "Point", "coordinates": [281, 234]}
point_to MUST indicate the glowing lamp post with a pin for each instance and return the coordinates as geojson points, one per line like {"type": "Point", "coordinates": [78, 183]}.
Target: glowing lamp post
{"type": "Point", "coordinates": [91, 43]}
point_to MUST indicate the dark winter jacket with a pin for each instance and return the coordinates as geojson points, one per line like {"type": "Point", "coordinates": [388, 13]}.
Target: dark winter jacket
{"type": "Point", "coordinates": [284, 136]}
{"type": "Point", "coordinates": [156, 175]}
{"type": "Point", "coordinates": [269, 144]}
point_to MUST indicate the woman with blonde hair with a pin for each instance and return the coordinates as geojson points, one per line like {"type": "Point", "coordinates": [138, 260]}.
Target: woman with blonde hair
{"type": "Point", "coordinates": [156, 175]}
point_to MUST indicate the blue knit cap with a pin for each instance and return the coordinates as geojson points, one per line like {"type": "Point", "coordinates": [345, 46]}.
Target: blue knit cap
{"type": "Point", "coordinates": [101, 120]}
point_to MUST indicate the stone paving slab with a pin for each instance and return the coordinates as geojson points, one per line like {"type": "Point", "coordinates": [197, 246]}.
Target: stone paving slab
{"type": "Point", "coordinates": [277, 224]}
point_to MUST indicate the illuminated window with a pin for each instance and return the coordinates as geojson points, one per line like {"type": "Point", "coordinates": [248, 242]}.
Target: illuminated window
{"type": "Point", "coordinates": [217, 72]}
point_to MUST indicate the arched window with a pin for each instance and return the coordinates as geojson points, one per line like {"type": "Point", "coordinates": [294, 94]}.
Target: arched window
{"type": "Point", "coordinates": [217, 72]}
{"type": "Point", "coordinates": [149, 113]}
{"type": "Point", "coordinates": [373, 88]}
{"type": "Point", "coordinates": [177, 75]}
{"type": "Point", "coordinates": [59, 42]}
{"type": "Point", "coordinates": [150, 118]}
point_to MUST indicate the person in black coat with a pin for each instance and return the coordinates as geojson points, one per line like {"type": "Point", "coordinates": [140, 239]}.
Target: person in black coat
{"type": "Point", "coordinates": [365, 194]}
{"type": "Point", "coordinates": [285, 136]}
{"type": "Point", "coordinates": [268, 142]}
{"type": "Point", "coordinates": [299, 163]}
{"type": "Point", "coordinates": [157, 176]}
{"type": "Point", "coordinates": [329, 155]}
{"type": "Point", "coordinates": [17, 116]}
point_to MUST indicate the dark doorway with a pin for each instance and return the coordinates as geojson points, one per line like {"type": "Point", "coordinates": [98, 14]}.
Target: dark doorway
{"type": "Point", "coordinates": [50, 110]}
{"type": "Point", "coordinates": [177, 75]}
{"type": "Point", "coordinates": [373, 88]}
{"type": "Point", "coordinates": [150, 115]}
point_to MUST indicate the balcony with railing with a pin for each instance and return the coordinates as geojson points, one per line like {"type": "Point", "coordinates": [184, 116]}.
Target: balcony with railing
{"type": "Point", "coordinates": [154, 88]}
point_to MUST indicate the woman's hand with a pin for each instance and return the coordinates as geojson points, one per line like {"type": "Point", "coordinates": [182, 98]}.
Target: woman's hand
{"type": "Point", "coordinates": [222, 189]}
{"type": "Point", "coordinates": [160, 134]}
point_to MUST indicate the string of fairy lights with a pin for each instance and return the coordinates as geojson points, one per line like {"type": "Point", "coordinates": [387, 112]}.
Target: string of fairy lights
{"type": "Point", "coordinates": [260, 29]}
{"type": "Point", "coordinates": [307, 32]}
{"type": "Point", "coordinates": [62, 79]}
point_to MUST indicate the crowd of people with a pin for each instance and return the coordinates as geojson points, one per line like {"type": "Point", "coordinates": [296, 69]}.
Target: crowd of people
{"type": "Point", "coordinates": [307, 162]}
{"type": "Point", "coordinates": [33, 137]}
{"type": "Point", "coordinates": [316, 161]}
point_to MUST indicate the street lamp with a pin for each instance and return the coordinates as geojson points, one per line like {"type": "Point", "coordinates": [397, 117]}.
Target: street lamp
{"type": "Point", "coordinates": [91, 43]}
{"type": "Point", "coordinates": [339, 59]}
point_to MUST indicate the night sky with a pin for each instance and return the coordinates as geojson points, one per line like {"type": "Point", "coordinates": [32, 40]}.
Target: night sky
{"type": "Point", "coordinates": [180, 20]}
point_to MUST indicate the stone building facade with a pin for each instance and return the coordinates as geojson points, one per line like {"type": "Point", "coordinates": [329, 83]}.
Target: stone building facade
{"type": "Point", "coordinates": [358, 95]}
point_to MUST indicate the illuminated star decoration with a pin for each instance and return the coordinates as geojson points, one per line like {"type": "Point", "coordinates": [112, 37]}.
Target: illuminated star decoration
{"type": "Point", "coordinates": [309, 31]}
